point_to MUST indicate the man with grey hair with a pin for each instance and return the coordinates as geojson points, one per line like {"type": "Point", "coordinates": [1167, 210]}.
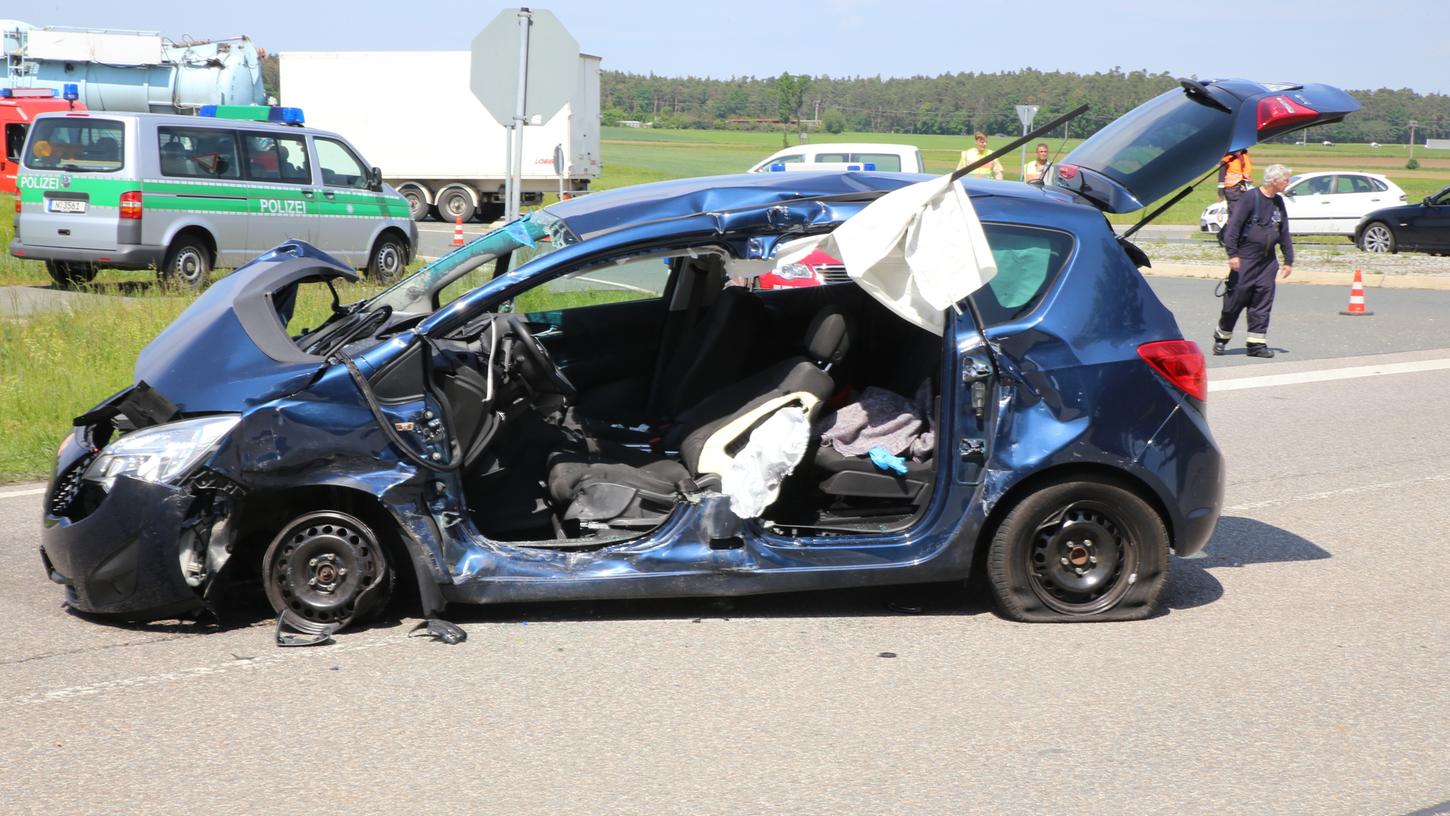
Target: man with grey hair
{"type": "Point", "coordinates": [1257, 225]}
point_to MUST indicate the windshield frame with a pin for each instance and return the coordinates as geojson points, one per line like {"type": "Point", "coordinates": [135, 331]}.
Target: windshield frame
{"type": "Point", "coordinates": [418, 292]}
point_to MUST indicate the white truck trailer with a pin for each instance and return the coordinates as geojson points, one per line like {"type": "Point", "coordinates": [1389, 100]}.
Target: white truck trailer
{"type": "Point", "coordinates": [412, 113]}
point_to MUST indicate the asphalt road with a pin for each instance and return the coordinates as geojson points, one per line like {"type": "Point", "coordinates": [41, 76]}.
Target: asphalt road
{"type": "Point", "coordinates": [1301, 666]}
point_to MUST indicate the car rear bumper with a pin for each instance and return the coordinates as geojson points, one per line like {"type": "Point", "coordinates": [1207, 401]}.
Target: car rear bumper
{"type": "Point", "coordinates": [1185, 461]}
{"type": "Point", "coordinates": [126, 256]}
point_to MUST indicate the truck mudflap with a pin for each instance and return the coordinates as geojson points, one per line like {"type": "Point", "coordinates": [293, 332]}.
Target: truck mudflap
{"type": "Point", "coordinates": [122, 559]}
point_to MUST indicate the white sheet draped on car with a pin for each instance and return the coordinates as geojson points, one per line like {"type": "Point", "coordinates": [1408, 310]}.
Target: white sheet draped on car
{"type": "Point", "coordinates": [919, 250]}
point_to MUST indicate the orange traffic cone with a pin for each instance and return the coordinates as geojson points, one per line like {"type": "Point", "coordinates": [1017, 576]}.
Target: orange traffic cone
{"type": "Point", "coordinates": [458, 231]}
{"type": "Point", "coordinates": [1356, 298]}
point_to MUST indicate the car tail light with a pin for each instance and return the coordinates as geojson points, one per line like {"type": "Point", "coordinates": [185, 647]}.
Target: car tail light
{"type": "Point", "coordinates": [17, 202]}
{"type": "Point", "coordinates": [1067, 172]}
{"type": "Point", "coordinates": [1181, 363]}
{"type": "Point", "coordinates": [1279, 111]}
{"type": "Point", "coordinates": [131, 204]}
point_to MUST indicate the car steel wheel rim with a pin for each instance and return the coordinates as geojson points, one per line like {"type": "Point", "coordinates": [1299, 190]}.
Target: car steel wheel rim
{"type": "Point", "coordinates": [323, 568]}
{"type": "Point", "coordinates": [388, 261]}
{"type": "Point", "coordinates": [1377, 239]}
{"type": "Point", "coordinates": [188, 265]}
{"type": "Point", "coordinates": [1081, 560]}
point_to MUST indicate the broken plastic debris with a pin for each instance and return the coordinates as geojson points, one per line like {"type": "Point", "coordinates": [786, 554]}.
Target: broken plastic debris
{"type": "Point", "coordinates": [293, 630]}
{"type": "Point", "coordinates": [450, 633]}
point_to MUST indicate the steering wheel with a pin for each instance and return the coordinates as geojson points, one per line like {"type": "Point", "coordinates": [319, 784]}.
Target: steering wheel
{"type": "Point", "coordinates": [535, 364]}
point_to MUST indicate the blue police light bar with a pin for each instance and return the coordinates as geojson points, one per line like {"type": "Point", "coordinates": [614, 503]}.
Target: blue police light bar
{"type": "Point", "coordinates": [72, 91]}
{"type": "Point", "coordinates": [254, 113]}
{"type": "Point", "coordinates": [27, 93]}
{"type": "Point", "coordinates": [778, 167]}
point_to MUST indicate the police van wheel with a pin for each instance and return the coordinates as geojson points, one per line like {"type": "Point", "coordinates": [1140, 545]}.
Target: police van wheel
{"type": "Point", "coordinates": [1079, 551]}
{"type": "Point", "coordinates": [187, 265]}
{"type": "Point", "coordinates": [69, 275]}
{"type": "Point", "coordinates": [389, 257]}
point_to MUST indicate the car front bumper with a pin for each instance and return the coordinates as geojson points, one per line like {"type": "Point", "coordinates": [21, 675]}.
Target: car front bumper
{"type": "Point", "coordinates": [123, 557]}
{"type": "Point", "coordinates": [125, 256]}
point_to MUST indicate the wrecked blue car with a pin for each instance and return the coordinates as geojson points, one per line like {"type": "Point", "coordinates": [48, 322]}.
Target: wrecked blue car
{"type": "Point", "coordinates": [593, 402]}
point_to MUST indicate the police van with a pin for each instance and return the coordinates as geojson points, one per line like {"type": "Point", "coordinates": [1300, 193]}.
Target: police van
{"type": "Point", "coordinates": [185, 194]}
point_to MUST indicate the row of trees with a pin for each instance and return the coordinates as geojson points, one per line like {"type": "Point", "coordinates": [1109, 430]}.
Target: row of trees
{"type": "Point", "coordinates": [958, 103]}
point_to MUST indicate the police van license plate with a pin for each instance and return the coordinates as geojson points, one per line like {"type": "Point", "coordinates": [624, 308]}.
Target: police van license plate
{"type": "Point", "coordinates": [65, 205]}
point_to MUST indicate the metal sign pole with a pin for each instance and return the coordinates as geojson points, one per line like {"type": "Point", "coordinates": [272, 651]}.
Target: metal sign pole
{"type": "Point", "coordinates": [516, 160]}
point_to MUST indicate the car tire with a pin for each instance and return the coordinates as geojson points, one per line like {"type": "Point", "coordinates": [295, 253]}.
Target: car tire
{"type": "Point", "coordinates": [1377, 237]}
{"type": "Point", "coordinates": [453, 204]}
{"type": "Point", "coordinates": [1079, 551]}
{"type": "Point", "coordinates": [186, 266]}
{"type": "Point", "coordinates": [388, 259]}
{"type": "Point", "coordinates": [418, 207]}
{"type": "Point", "coordinates": [328, 568]}
{"type": "Point", "coordinates": [70, 275]}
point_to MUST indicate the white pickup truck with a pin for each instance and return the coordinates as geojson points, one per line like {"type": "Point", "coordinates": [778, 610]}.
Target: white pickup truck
{"type": "Point", "coordinates": [887, 158]}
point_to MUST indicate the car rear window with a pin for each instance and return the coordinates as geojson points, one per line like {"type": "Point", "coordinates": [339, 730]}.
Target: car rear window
{"type": "Point", "coordinates": [76, 145]}
{"type": "Point", "coordinates": [1028, 260]}
{"type": "Point", "coordinates": [1148, 149]}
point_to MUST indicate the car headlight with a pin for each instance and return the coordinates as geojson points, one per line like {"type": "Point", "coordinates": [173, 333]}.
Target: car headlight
{"type": "Point", "coordinates": [794, 271]}
{"type": "Point", "coordinates": [162, 453]}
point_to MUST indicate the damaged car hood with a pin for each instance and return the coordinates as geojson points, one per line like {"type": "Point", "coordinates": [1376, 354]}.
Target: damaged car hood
{"type": "Point", "coordinates": [230, 348]}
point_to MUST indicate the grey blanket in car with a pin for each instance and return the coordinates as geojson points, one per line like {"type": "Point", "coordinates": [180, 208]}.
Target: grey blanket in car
{"type": "Point", "coordinates": [879, 418]}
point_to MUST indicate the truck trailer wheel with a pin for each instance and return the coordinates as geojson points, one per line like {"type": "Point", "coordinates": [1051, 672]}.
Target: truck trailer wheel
{"type": "Point", "coordinates": [418, 206]}
{"type": "Point", "coordinates": [455, 203]}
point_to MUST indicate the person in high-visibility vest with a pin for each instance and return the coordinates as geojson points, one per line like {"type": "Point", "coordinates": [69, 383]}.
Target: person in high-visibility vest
{"type": "Point", "coordinates": [1235, 175]}
{"type": "Point", "coordinates": [992, 169]}
{"type": "Point", "coordinates": [1037, 170]}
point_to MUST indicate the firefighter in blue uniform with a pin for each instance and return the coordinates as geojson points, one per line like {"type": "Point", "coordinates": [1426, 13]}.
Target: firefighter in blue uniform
{"type": "Point", "coordinates": [1259, 223]}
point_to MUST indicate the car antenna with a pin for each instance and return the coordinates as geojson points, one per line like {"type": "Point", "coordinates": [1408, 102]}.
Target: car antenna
{"type": "Point", "coordinates": [1024, 139]}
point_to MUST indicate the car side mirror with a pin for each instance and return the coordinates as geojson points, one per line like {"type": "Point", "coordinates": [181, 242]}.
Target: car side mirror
{"type": "Point", "coordinates": [375, 180]}
{"type": "Point", "coordinates": [1290, 194]}
{"type": "Point", "coordinates": [1429, 201]}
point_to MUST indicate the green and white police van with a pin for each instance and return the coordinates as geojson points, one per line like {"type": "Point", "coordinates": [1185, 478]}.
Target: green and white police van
{"type": "Point", "coordinates": [184, 194]}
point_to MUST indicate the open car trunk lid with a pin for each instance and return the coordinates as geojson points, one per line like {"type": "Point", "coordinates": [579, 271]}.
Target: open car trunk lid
{"type": "Point", "coordinates": [1168, 141]}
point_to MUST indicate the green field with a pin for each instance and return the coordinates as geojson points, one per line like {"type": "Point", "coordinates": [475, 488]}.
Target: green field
{"type": "Point", "coordinates": [53, 366]}
{"type": "Point", "coordinates": [637, 155]}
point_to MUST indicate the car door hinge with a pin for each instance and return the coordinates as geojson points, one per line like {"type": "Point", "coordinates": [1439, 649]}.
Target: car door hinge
{"type": "Point", "coordinates": [972, 449]}
{"type": "Point", "coordinates": [974, 370]}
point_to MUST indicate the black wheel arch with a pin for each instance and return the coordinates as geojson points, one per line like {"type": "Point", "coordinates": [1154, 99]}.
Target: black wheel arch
{"type": "Point", "coordinates": [262, 514]}
{"type": "Point", "coordinates": [394, 232]}
{"type": "Point", "coordinates": [198, 232]}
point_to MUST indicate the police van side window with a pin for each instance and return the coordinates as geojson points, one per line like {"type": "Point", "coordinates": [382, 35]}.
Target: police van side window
{"type": "Point", "coordinates": [340, 168]}
{"type": "Point", "coordinates": [197, 153]}
{"type": "Point", "coordinates": [1028, 261]}
{"type": "Point", "coordinates": [276, 158]}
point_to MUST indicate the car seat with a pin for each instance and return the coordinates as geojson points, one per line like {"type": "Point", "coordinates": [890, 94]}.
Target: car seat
{"type": "Point", "coordinates": [608, 482]}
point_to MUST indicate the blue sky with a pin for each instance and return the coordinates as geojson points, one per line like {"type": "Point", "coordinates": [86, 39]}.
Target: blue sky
{"type": "Point", "coordinates": [1350, 44]}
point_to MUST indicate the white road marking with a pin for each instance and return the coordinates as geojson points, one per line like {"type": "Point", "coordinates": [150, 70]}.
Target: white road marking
{"type": "Point", "coordinates": [1271, 380]}
{"type": "Point", "coordinates": [274, 658]}
{"type": "Point", "coordinates": [12, 494]}
{"type": "Point", "coordinates": [1343, 491]}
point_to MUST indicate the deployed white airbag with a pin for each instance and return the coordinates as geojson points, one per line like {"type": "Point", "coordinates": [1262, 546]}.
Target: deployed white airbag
{"type": "Point", "coordinates": [776, 446]}
{"type": "Point", "coordinates": [919, 250]}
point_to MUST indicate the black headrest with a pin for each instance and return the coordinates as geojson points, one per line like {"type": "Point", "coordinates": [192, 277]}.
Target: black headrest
{"type": "Point", "coordinates": [828, 337]}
